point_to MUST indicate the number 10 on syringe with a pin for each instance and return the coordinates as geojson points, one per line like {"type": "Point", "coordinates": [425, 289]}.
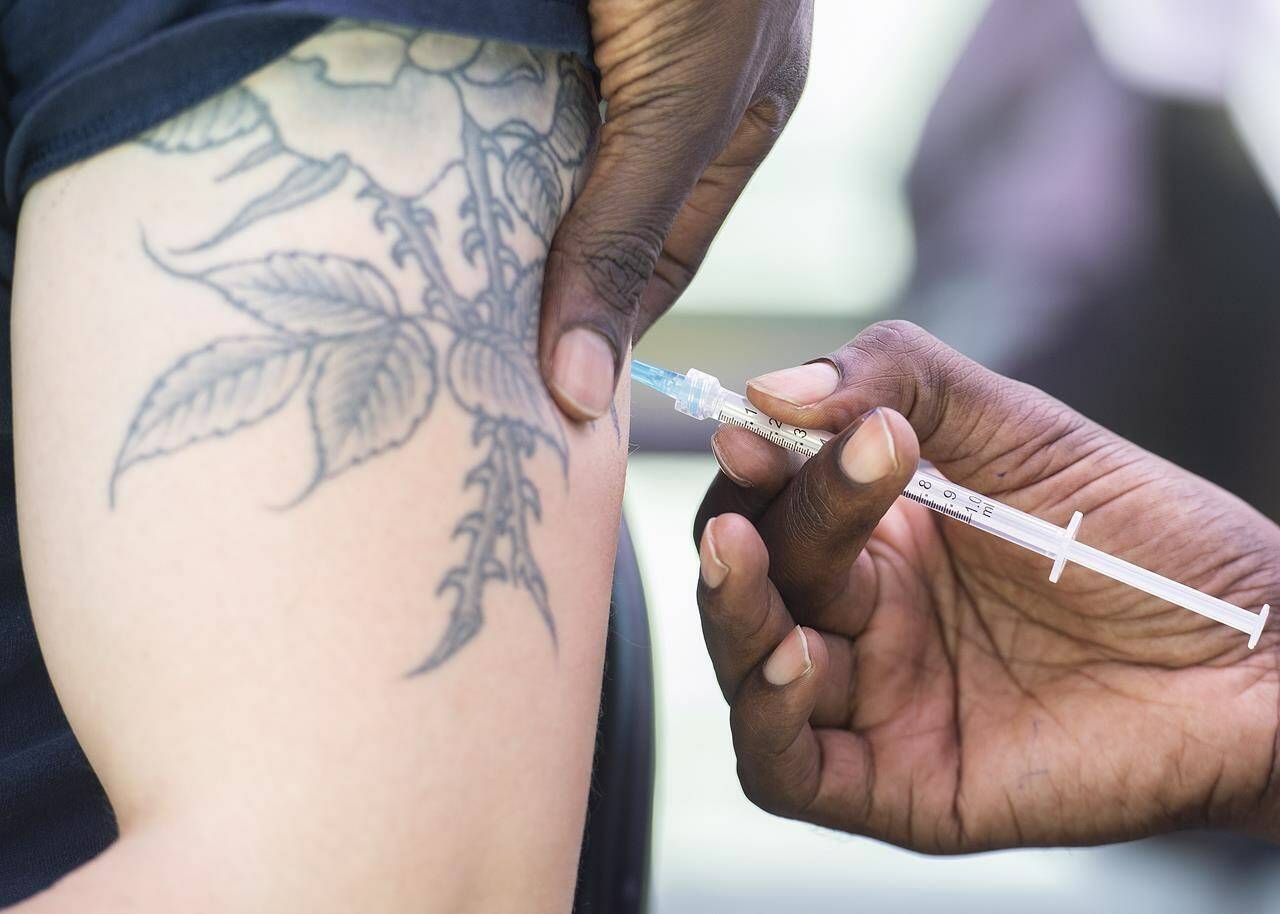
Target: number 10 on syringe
{"type": "Point", "coordinates": [700, 395]}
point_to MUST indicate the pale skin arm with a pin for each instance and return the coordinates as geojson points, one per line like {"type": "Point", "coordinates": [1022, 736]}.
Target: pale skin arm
{"type": "Point", "coordinates": [315, 668]}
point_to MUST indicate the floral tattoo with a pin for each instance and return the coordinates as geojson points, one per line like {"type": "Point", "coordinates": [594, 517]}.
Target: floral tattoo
{"type": "Point", "coordinates": [334, 331]}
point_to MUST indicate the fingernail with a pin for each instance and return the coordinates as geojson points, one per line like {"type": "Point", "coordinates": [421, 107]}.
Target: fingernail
{"type": "Point", "coordinates": [582, 372]}
{"type": "Point", "coordinates": [725, 466]}
{"type": "Point", "coordinates": [800, 386]}
{"type": "Point", "coordinates": [869, 455]}
{"type": "Point", "coordinates": [790, 660]}
{"type": "Point", "coordinates": [714, 570]}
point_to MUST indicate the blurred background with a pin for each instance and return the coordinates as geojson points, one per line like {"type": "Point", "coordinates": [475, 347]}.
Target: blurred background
{"type": "Point", "coordinates": [1079, 194]}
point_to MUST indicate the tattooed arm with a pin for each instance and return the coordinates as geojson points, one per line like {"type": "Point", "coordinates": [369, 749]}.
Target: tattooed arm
{"type": "Point", "coordinates": [320, 574]}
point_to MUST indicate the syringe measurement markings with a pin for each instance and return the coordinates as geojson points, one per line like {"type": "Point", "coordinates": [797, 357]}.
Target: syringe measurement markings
{"type": "Point", "coordinates": [783, 441]}
{"type": "Point", "coordinates": [769, 434]}
{"type": "Point", "coordinates": [942, 507]}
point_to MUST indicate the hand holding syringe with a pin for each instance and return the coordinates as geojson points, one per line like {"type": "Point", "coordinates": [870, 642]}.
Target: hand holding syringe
{"type": "Point", "coordinates": [700, 395]}
{"type": "Point", "coordinates": [892, 674]}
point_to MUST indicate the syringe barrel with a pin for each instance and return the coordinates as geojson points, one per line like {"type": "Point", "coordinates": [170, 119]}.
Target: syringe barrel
{"type": "Point", "coordinates": [965, 505]}
{"type": "Point", "coordinates": [735, 409]}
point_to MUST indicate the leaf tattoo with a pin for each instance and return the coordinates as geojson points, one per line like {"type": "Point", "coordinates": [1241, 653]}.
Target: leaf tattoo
{"type": "Point", "coordinates": [310, 180]}
{"type": "Point", "coordinates": [491, 374]}
{"type": "Point", "coordinates": [532, 183]}
{"type": "Point", "coordinates": [253, 158]}
{"type": "Point", "coordinates": [576, 116]}
{"type": "Point", "coordinates": [336, 337]}
{"type": "Point", "coordinates": [310, 294]}
{"type": "Point", "coordinates": [219, 120]}
{"type": "Point", "coordinates": [212, 392]}
{"type": "Point", "coordinates": [369, 394]}
{"type": "Point", "coordinates": [500, 65]}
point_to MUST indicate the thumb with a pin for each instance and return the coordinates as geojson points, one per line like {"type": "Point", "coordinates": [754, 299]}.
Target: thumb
{"type": "Point", "coordinates": [816, 529]}
{"type": "Point", "coordinates": [604, 253]}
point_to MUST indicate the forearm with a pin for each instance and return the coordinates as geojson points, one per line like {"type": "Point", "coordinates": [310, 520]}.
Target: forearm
{"type": "Point", "coordinates": [320, 573]}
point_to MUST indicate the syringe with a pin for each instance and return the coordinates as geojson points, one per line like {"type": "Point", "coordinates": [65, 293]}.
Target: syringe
{"type": "Point", "coordinates": [700, 395]}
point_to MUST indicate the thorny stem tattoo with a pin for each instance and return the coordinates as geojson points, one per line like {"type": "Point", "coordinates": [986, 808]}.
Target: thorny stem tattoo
{"type": "Point", "coordinates": [335, 331]}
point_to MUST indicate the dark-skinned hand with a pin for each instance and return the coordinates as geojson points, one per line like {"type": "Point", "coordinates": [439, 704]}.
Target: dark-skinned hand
{"type": "Point", "coordinates": [901, 675]}
{"type": "Point", "coordinates": [697, 93]}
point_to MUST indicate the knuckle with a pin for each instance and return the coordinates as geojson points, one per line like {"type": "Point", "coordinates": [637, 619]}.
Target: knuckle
{"type": "Point", "coordinates": [897, 337]}
{"type": "Point", "coordinates": [794, 74]}
{"type": "Point", "coordinates": [759, 789]}
{"type": "Point", "coordinates": [896, 363]}
{"type": "Point", "coordinates": [815, 523]}
{"type": "Point", "coordinates": [768, 117]}
{"type": "Point", "coordinates": [780, 94]}
{"type": "Point", "coordinates": [772, 111]}
{"type": "Point", "coordinates": [676, 273]}
{"type": "Point", "coordinates": [758, 735]}
{"type": "Point", "coordinates": [647, 104]}
{"type": "Point", "coordinates": [736, 624]}
{"type": "Point", "coordinates": [812, 511]}
{"type": "Point", "coordinates": [618, 264]}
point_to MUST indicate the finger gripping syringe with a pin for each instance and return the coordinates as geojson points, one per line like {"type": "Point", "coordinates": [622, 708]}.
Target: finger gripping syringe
{"type": "Point", "coordinates": [700, 395]}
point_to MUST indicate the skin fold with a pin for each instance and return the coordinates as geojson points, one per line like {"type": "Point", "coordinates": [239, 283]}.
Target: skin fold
{"type": "Point", "coordinates": [945, 696]}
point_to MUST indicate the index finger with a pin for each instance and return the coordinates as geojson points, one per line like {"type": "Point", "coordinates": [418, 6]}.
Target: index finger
{"type": "Point", "coordinates": [743, 618]}
{"type": "Point", "coordinates": [752, 473]}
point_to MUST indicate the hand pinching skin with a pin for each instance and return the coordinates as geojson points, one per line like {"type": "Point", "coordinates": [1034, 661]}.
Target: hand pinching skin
{"type": "Point", "coordinates": [696, 98]}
